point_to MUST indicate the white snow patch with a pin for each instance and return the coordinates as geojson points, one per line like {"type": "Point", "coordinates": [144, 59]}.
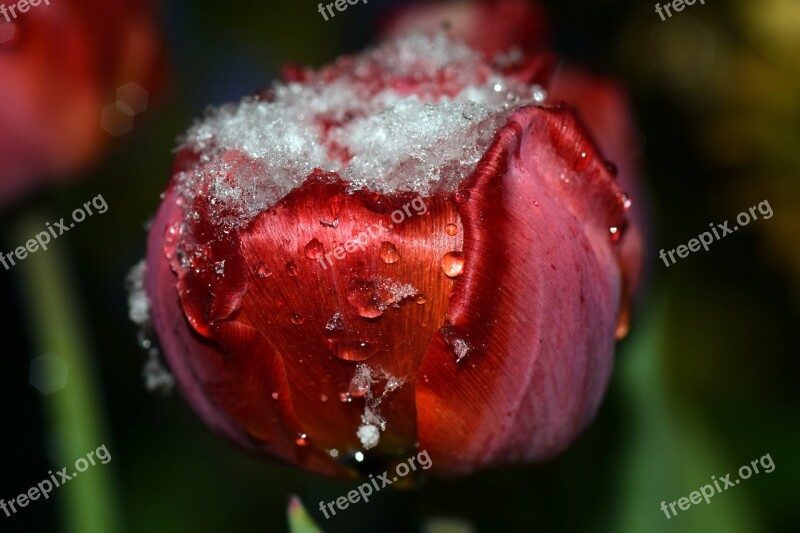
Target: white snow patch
{"type": "Point", "coordinates": [156, 376]}
{"type": "Point", "coordinates": [369, 436]}
{"type": "Point", "coordinates": [138, 303]}
{"type": "Point", "coordinates": [372, 423]}
{"type": "Point", "coordinates": [354, 119]}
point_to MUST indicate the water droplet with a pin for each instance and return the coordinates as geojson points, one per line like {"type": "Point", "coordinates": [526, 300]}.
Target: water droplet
{"type": "Point", "coordinates": [370, 298]}
{"type": "Point", "coordinates": [291, 268]}
{"type": "Point", "coordinates": [274, 395]}
{"type": "Point", "coordinates": [451, 229]}
{"type": "Point", "coordinates": [351, 350]}
{"type": "Point", "coordinates": [421, 299]}
{"type": "Point", "coordinates": [389, 253]}
{"type": "Point", "coordinates": [624, 200]}
{"type": "Point", "coordinates": [361, 295]}
{"type": "Point", "coordinates": [329, 224]}
{"type": "Point", "coordinates": [301, 440]}
{"type": "Point", "coordinates": [539, 94]}
{"type": "Point", "coordinates": [314, 249]}
{"type": "Point", "coordinates": [297, 319]}
{"type": "Point", "coordinates": [536, 204]}
{"type": "Point", "coordinates": [612, 168]}
{"type": "Point", "coordinates": [615, 233]}
{"type": "Point", "coordinates": [334, 453]}
{"type": "Point", "coordinates": [262, 271]}
{"type": "Point", "coordinates": [345, 397]}
{"type": "Point", "coordinates": [462, 196]}
{"type": "Point", "coordinates": [453, 264]}
{"type": "Point", "coordinates": [323, 398]}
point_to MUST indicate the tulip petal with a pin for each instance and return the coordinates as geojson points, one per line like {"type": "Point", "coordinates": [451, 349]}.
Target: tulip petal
{"type": "Point", "coordinates": [536, 307]}
{"type": "Point", "coordinates": [230, 380]}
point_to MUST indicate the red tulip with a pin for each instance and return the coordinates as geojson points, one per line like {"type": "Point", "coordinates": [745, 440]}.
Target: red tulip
{"type": "Point", "coordinates": [409, 248]}
{"type": "Point", "coordinates": [62, 63]}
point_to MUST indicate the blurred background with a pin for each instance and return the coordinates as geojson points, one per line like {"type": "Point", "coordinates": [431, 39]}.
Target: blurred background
{"type": "Point", "coordinates": [706, 381]}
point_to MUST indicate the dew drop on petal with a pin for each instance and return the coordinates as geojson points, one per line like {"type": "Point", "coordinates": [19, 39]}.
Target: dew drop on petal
{"type": "Point", "coordinates": [453, 264]}
{"type": "Point", "coordinates": [274, 395]}
{"type": "Point", "coordinates": [421, 299]}
{"type": "Point", "coordinates": [323, 398]}
{"type": "Point", "coordinates": [291, 268]}
{"type": "Point", "coordinates": [615, 233]}
{"type": "Point", "coordinates": [462, 196]}
{"type": "Point", "coordinates": [389, 253]}
{"type": "Point", "coordinates": [297, 319]}
{"type": "Point", "coordinates": [451, 229]}
{"type": "Point", "coordinates": [624, 200]}
{"type": "Point", "coordinates": [262, 271]}
{"type": "Point", "coordinates": [301, 440]}
{"type": "Point", "coordinates": [345, 397]}
{"type": "Point", "coordinates": [351, 350]}
{"type": "Point", "coordinates": [314, 249]}
{"type": "Point", "coordinates": [539, 95]}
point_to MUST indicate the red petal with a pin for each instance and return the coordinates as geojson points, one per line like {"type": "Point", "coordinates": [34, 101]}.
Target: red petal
{"type": "Point", "coordinates": [230, 381]}
{"type": "Point", "coordinates": [536, 305]}
{"type": "Point", "coordinates": [603, 105]}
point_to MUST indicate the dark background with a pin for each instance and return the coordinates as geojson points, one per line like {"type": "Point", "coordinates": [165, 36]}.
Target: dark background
{"type": "Point", "coordinates": [706, 382]}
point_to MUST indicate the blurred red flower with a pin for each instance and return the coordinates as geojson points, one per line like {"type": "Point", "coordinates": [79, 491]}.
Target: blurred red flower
{"type": "Point", "coordinates": [61, 64]}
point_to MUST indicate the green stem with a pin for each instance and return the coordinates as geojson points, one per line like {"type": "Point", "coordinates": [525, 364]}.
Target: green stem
{"type": "Point", "coordinates": [56, 325]}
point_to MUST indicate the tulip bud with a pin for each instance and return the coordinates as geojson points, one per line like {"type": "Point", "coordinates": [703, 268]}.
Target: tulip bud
{"type": "Point", "coordinates": [410, 248]}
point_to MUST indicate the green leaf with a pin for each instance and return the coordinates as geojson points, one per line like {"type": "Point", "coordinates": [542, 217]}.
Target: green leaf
{"type": "Point", "coordinates": [299, 519]}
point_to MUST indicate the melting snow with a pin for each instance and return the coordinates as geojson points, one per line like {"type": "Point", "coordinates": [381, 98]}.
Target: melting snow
{"type": "Point", "coordinates": [414, 114]}
{"type": "Point", "coordinates": [372, 423]}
